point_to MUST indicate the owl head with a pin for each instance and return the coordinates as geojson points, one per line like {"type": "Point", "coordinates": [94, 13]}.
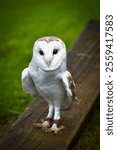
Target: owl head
{"type": "Point", "coordinates": [49, 52]}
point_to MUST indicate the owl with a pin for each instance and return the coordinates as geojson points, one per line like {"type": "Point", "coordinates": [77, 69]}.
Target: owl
{"type": "Point", "coordinates": [47, 77]}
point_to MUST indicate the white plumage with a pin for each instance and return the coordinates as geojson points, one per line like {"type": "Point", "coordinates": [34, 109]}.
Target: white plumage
{"type": "Point", "coordinates": [47, 77]}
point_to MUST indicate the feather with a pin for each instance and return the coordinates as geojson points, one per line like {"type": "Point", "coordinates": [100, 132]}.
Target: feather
{"type": "Point", "coordinates": [69, 84]}
{"type": "Point", "coordinates": [28, 84]}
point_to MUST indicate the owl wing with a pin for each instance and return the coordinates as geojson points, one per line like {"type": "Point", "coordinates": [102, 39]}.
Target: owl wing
{"type": "Point", "coordinates": [68, 84]}
{"type": "Point", "coordinates": [27, 83]}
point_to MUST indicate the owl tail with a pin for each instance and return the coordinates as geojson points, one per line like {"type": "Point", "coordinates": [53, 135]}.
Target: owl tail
{"type": "Point", "coordinates": [67, 103]}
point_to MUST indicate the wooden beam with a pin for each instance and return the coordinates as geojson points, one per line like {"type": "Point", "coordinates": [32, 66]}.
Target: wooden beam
{"type": "Point", "coordinates": [83, 62]}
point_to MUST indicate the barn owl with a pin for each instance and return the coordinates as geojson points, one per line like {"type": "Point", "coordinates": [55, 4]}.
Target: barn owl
{"type": "Point", "coordinates": [47, 77]}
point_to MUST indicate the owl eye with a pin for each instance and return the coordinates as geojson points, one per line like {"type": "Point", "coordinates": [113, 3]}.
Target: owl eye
{"type": "Point", "coordinates": [41, 52]}
{"type": "Point", "coordinates": [55, 51]}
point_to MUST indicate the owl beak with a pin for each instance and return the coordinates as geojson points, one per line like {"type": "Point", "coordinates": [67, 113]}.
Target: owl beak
{"type": "Point", "coordinates": [48, 61]}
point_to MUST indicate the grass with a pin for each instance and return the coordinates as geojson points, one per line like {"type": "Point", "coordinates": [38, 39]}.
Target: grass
{"type": "Point", "coordinates": [21, 23]}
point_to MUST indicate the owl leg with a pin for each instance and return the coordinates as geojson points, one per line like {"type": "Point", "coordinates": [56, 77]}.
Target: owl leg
{"type": "Point", "coordinates": [54, 127]}
{"type": "Point", "coordinates": [50, 112]}
{"type": "Point", "coordinates": [48, 121]}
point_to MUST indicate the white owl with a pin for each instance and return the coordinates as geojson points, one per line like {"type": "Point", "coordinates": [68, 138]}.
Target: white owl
{"type": "Point", "coordinates": [47, 77]}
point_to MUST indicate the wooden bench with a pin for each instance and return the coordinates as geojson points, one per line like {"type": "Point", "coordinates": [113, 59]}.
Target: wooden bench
{"type": "Point", "coordinates": [83, 62]}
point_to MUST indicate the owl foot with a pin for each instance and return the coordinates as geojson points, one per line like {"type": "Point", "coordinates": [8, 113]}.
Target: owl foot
{"type": "Point", "coordinates": [55, 129]}
{"type": "Point", "coordinates": [44, 125]}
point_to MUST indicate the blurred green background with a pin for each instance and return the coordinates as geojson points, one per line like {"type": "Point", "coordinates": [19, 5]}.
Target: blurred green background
{"type": "Point", "coordinates": [21, 23]}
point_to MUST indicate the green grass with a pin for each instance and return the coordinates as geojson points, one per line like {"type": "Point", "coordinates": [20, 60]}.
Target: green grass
{"type": "Point", "coordinates": [21, 23]}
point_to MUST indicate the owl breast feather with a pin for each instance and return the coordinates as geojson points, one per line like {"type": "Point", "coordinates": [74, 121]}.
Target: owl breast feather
{"type": "Point", "coordinates": [48, 85]}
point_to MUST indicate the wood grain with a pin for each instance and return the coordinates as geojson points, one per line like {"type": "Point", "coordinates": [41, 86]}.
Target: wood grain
{"type": "Point", "coordinates": [84, 65]}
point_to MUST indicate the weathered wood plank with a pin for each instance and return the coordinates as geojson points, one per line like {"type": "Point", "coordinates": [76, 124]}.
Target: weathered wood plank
{"type": "Point", "coordinates": [84, 66]}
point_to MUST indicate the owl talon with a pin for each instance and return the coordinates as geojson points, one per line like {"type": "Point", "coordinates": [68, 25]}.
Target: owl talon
{"type": "Point", "coordinates": [55, 129]}
{"type": "Point", "coordinates": [44, 125]}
